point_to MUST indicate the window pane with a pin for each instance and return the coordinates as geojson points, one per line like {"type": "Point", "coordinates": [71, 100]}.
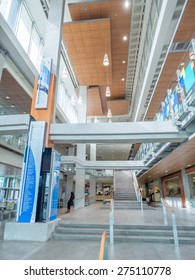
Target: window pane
{"type": "Point", "coordinates": [34, 50]}
{"type": "Point", "coordinates": [24, 29]}
{"type": "Point", "coordinates": [5, 8]}
{"type": "Point", "coordinates": [12, 17]}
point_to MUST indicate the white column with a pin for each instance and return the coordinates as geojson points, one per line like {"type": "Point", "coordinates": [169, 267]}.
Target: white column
{"type": "Point", "coordinates": [53, 38]}
{"type": "Point", "coordinates": [186, 187]}
{"type": "Point", "coordinates": [92, 190]}
{"type": "Point", "coordinates": [81, 153]}
{"type": "Point", "coordinates": [70, 178]}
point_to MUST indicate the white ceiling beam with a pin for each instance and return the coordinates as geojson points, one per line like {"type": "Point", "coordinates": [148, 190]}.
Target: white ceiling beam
{"type": "Point", "coordinates": [11, 124]}
{"type": "Point", "coordinates": [132, 132]}
{"type": "Point", "coordinates": [111, 165]}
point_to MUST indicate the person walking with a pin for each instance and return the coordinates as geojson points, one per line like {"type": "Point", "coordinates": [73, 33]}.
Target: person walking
{"type": "Point", "coordinates": [70, 202]}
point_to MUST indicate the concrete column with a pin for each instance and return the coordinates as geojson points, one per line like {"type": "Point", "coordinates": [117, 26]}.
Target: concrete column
{"type": "Point", "coordinates": [53, 38]}
{"type": "Point", "coordinates": [81, 153]}
{"type": "Point", "coordinates": [186, 187]}
{"type": "Point", "coordinates": [92, 190]}
{"type": "Point", "coordinates": [70, 178]}
{"type": "Point", "coordinates": [2, 60]}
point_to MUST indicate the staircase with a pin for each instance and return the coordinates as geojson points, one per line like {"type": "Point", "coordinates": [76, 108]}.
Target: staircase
{"type": "Point", "coordinates": [124, 195]}
{"type": "Point", "coordinates": [124, 189]}
{"type": "Point", "coordinates": [124, 233]}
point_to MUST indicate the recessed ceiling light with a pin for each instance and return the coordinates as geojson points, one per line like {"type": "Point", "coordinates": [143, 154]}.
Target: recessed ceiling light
{"type": "Point", "coordinates": [126, 4]}
{"type": "Point", "coordinates": [12, 105]}
{"type": "Point", "coordinates": [182, 64]}
{"type": "Point", "coordinates": [84, 8]}
{"type": "Point", "coordinates": [125, 38]}
{"type": "Point", "coordinates": [7, 97]}
{"type": "Point", "coordinates": [122, 79]}
{"type": "Point", "coordinates": [123, 61]}
{"type": "Point", "coordinates": [24, 112]}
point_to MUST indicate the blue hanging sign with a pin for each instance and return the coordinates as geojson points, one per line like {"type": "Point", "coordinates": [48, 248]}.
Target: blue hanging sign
{"type": "Point", "coordinates": [55, 176]}
{"type": "Point", "coordinates": [43, 84]}
{"type": "Point", "coordinates": [29, 185]}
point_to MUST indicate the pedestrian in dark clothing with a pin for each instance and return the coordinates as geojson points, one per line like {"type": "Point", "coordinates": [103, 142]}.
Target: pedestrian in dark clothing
{"type": "Point", "coordinates": [70, 202]}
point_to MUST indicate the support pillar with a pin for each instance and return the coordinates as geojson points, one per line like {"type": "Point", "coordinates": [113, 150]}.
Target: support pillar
{"type": "Point", "coordinates": [92, 190]}
{"type": "Point", "coordinates": [186, 187]}
{"type": "Point", "coordinates": [43, 115]}
{"type": "Point", "coordinates": [70, 177]}
{"type": "Point", "coordinates": [81, 153]}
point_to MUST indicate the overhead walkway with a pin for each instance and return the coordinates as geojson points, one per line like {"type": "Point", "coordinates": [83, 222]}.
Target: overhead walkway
{"type": "Point", "coordinates": [110, 165]}
{"type": "Point", "coordinates": [11, 124]}
{"type": "Point", "coordinates": [130, 132]}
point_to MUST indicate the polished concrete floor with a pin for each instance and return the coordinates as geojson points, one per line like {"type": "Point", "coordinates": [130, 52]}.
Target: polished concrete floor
{"type": "Point", "coordinates": [89, 250]}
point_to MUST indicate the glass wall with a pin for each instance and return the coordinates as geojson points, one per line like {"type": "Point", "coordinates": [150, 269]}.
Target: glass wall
{"type": "Point", "coordinates": [174, 107]}
{"type": "Point", "coordinates": [18, 17]}
{"type": "Point", "coordinates": [66, 96]}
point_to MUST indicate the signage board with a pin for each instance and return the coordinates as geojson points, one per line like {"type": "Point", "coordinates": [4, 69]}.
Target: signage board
{"type": "Point", "coordinates": [55, 176]}
{"type": "Point", "coordinates": [29, 185]}
{"type": "Point", "coordinates": [43, 84]}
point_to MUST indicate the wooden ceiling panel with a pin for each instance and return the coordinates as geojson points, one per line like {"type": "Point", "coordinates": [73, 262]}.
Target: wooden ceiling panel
{"type": "Point", "coordinates": [181, 158]}
{"type": "Point", "coordinates": [87, 54]}
{"type": "Point", "coordinates": [18, 98]}
{"type": "Point", "coordinates": [94, 106]}
{"type": "Point", "coordinates": [98, 39]}
{"type": "Point", "coordinates": [118, 107]}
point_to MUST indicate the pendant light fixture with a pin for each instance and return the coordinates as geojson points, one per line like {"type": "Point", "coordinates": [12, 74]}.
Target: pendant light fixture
{"type": "Point", "coordinates": [108, 91]}
{"type": "Point", "coordinates": [109, 114]}
{"type": "Point", "coordinates": [106, 60]}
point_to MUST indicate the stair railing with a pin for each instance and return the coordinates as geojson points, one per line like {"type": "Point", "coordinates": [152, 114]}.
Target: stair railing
{"type": "Point", "coordinates": [111, 221]}
{"type": "Point", "coordinates": [136, 188]}
{"type": "Point", "coordinates": [141, 201]}
{"type": "Point", "coordinates": [103, 254]}
{"type": "Point", "coordinates": [174, 225]}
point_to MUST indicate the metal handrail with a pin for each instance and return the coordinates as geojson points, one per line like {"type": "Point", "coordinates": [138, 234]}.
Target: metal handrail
{"type": "Point", "coordinates": [174, 225]}
{"type": "Point", "coordinates": [103, 248]}
{"type": "Point", "coordinates": [111, 221]}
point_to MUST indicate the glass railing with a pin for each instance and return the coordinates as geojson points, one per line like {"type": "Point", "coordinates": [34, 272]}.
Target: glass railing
{"type": "Point", "coordinates": [178, 106]}
{"type": "Point", "coordinates": [18, 143]}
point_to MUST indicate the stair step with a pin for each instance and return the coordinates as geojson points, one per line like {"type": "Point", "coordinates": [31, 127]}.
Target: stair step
{"type": "Point", "coordinates": [153, 239]}
{"type": "Point", "coordinates": [123, 232]}
{"type": "Point", "coordinates": [129, 227]}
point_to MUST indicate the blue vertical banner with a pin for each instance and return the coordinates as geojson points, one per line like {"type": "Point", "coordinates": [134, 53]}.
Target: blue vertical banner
{"type": "Point", "coordinates": [55, 177]}
{"type": "Point", "coordinates": [43, 83]}
{"type": "Point", "coordinates": [29, 185]}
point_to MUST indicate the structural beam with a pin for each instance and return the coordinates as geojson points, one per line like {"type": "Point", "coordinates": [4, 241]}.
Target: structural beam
{"type": "Point", "coordinates": [111, 165]}
{"type": "Point", "coordinates": [130, 132]}
{"type": "Point", "coordinates": [12, 124]}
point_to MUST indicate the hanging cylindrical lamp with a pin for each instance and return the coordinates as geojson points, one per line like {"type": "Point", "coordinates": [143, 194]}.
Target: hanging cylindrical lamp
{"type": "Point", "coordinates": [106, 60]}
{"type": "Point", "coordinates": [109, 114]}
{"type": "Point", "coordinates": [108, 92]}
